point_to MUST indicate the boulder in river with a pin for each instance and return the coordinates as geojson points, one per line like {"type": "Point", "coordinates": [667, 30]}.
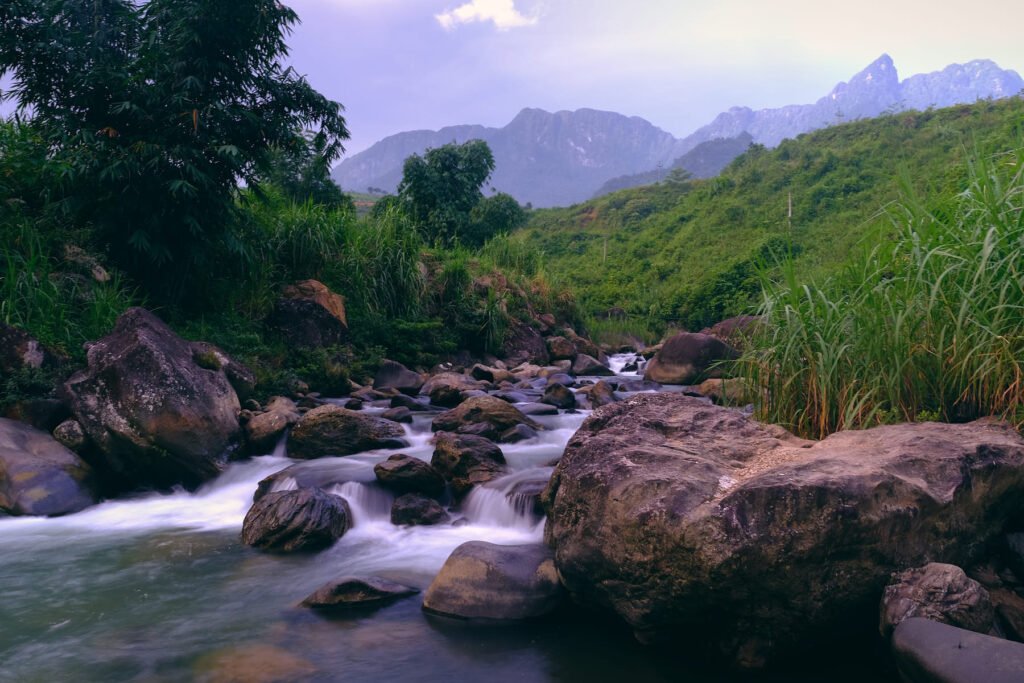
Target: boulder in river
{"type": "Point", "coordinates": [313, 474]}
{"type": "Point", "coordinates": [559, 396]}
{"type": "Point", "coordinates": [394, 375]}
{"type": "Point", "coordinates": [485, 416]}
{"type": "Point", "coordinates": [405, 474]}
{"type": "Point", "coordinates": [160, 413]}
{"type": "Point", "coordinates": [39, 476]}
{"type": "Point", "coordinates": [350, 592]}
{"type": "Point", "coordinates": [588, 366]}
{"type": "Point", "coordinates": [560, 348]}
{"type": "Point", "coordinates": [331, 430]}
{"type": "Point", "coordinates": [300, 520]}
{"type": "Point", "coordinates": [467, 461]}
{"type": "Point", "coordinates": [310, 315]}
{"type": "Point", "coordinates": [940, 592]}
{"type": "Point", "coordinates": [496, 582]}
{"type": "Point", "coordinates": [927, 651]}
{"type": "Point", "coordinates": [264, 430]}
{"type": "Point", "coordinates": [417, 509]}
{"type": "Point", "coordinates": [702, 527]}
{"type": "Point", "coordinates": [448, 388]}
{"type": "Point", "coordinates": [688, 358]}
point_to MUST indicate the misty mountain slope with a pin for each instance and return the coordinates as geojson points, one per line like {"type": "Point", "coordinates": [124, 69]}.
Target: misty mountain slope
{"type": "Point", "coordinates": [557, 159]}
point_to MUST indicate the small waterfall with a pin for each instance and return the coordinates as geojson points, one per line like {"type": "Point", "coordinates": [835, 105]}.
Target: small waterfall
{"type": "Point", "coordinates": [619, 361]}
{"type": "Point", "coordinates": [508, 501]}
{"type": "Point", "coordinates": [368, 503]}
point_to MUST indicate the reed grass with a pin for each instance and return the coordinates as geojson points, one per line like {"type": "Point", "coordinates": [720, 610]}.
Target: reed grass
{"type": "Point", "coordinates": [927, 325]}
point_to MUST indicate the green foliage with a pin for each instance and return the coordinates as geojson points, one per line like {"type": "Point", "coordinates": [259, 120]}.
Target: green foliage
{"type": "Point", "coordinates": [493, 216]}
{"type": "Point", "coordinates": [440, 189]}
{"type": "Point", "coordinates": [301, 171]}
{"type": "Point", "coordinates": [156, 111]}
{"type": "Point", "coordinates": [687, 254]}
{"type": "Point", "coordinates": [926, 324]}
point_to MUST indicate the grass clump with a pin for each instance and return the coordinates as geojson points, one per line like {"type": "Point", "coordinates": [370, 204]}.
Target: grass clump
{"type": "Point", "coordinates": [929, 324]}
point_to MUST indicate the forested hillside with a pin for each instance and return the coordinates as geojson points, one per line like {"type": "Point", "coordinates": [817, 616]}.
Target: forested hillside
{"type": "Point", "coordinates": [686, 251]}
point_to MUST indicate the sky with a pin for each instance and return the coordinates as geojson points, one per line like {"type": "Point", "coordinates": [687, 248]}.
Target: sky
{"type": "Point", "coordinates": [401, 65]}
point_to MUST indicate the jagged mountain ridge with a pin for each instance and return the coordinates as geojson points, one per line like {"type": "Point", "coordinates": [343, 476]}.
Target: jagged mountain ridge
{"type": "Point", "coordinates": [560, 158]}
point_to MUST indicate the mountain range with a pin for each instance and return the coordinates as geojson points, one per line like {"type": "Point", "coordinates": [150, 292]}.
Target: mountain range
{"type": "Point", "coordinates": [556, 159]}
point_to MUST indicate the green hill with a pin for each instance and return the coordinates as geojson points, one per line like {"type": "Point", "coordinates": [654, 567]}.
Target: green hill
{"type": "Point", "coordinates": [685, 251]}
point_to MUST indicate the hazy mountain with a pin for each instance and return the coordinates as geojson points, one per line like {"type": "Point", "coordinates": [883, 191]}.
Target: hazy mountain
{"type": "Point", "coordinates": [561, 158]}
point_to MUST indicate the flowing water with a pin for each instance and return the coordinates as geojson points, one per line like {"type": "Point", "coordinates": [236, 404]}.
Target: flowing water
{"type": "Point", "coordinates": [159, 588]}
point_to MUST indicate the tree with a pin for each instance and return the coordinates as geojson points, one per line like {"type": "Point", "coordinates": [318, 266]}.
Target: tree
{"type": "Point", "coordinates": [493, 216]}
{"type": "Point", "coordinates": [302, 172]}
{"type": "Point", "coordinates": [157, 111]}
{"type": "Point", "coordinates": [441, 188]}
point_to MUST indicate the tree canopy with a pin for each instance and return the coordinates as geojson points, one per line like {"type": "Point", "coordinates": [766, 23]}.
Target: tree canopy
{"type": "Point", "coordinates": [158, 111]}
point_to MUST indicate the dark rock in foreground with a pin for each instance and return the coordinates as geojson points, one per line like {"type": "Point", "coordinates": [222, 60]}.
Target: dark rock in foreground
{"type": "Point", "coordinates": [289, 521]}
{"type": "Point", "coordinates": [502, 582]}
{"type": "Point", "coordinates": [330, 430]}
{"type": "Point", "coordinates": [353, 591]}
{"type": "Point", "coordinates": [161, 410]}
{"type": "Point", "coordinates": [701, 527]}
{"type": "Point", "coordinates": [929, 652]}
{"type": "Point", "coordinates": [940, 592]}
{"type": "Point", "coordinates": [39, 476]}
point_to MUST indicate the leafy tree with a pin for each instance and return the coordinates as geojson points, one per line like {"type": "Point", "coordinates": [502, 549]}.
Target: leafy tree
{"type": "Point", "coordinates": [441, 188]}
{"type": "Point", "coordinates": [157, 111]}
{"type": "Point", "coordinates": [302, 172]}
{"type": "Point", "coordinates": [492, 216]}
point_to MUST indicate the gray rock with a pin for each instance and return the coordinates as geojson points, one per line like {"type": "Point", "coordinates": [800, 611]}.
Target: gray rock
{"type": "Point", "coordinates": [301, 520]}
{"type": "Point", "coordinates": [589, 366]}
{"type": "Point", "coordinates": [264, 430]}
{"type": "Point", "coordinates": [482, 415]}
{"type": "Point", "coordinates": [467, 461]}
{"type": "Point", "coordinates": [392, 375]}
{"type": "Point", "coordinates": [559, 396]}
{"type": "Point", "coordinates": [688, 358]}
{"type": "Point", "coordinates": [313, 474]}
{"type": "Point", "coordinates": [417, 509]}
{"type": "Point", "coordinates": [331, 430]}
{"type": "Point", "coordinates": [350, 592]}
{"type": "Point", "coordinates": [405, 474]}
{"type": "Point", "coordinates": [929, 652]}
{"type": "Point", "coordinates": [70, 435]}
{"type": "Point", "coordinates": [940, 592]}
{"type": "Point", "coordinates": [39, 476]}
{"type": "Point", "coordinates": [500, 582]}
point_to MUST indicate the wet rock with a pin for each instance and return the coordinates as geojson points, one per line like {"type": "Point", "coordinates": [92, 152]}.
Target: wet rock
{"type": "Point", "coordinates": [488, 374]}
{"type": "Point", "coordinates": [301, 520]}
{"type": "Point", "coordinates": [264, 430]}
{"type": "Point", "coordinates": [405, 474]}
{"type": "Point", "coordinates": [350, 592]}
{"type": "Point", "coordinates": [330, 430]}
{"type": "Point", "coordinates": [467, 461]}
{"type": "Point", "coordinates": [560, 348]}
{"type": "Point", "coordinates": [403, 401]}
{"type": "Point", "coordinates": [601, 394]}
{"type": "Point", "coordinates": [310, 315]}
{"type": "Point", "coordinates": [447, 388]}
{"type": "Point", "coordinates": [242, 379]}
{"type": "Point", "coordinates": [688, 358]}
{"type": "Point", "coordinates": [536, 409]}
{"type": "Point", "coordinates": [1009, 608]}
{"type": "Point", "coordinates": [159, 414]}
{"type": "Point", "coordinates": [500, 582]}
{"type": "Point", "coordinates": [728, 392]}
{"type": "Point", "coordinates": [559, 396]}
{"type": "Point", "coordinates": [589, 366]}
{"type": "Point", "coordinates": [254, 663]}
{"type": "Point", "coordinates": [634, 385]}
{"type": "Point", "coordinates": [313, 474]}
{"type": "Point", "coordinates": [396, 376]}
{"type": "Point", "coordinates": [484, 415]}
{"type": "Point", "coordinates": [417, 509]}
{"type": "Point", "coordinates": [400, 415]}
{"type": "Point", "coordinates": [523, 344]}
{"type": "Point", "coordinates": [926, 651]}
{"type": "Point", "coordinates": [517, 434]}
{"type": "Point", "coordinates": [559, 378]}
{"type": "Point", "coordinates": [70, 435]}
{"type": "Point", "coordinates": [703, 528]}
{"type": "Point", "coordinates": [354, 404]}
{"type": "Point", "coordinates": [940, 592]}
{"type": "Point", "coordinates": [512, 396]}
{"type": "Point", "coordinates": [39, 476]}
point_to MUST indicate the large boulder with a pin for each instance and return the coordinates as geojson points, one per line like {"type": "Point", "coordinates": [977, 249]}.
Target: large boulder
{"type": "Point", "coordinates": [349, 592]}
{"type": "Point", "coordinates": [415, 509]}
{"type": "Point", "coordinates": [161, 410]}
{"type": "Point", "coordinates": [310, 315]}
{"type": "Point", "coordinates": [498, 582]}
{"type": "Point", "coordinates": [264, 430]}
{"type": "Point", "coordinates": [523, 344]}
{"type": "Point", "coordinates": [313, 474]}
{"type": "Point", "coordinates": [700, 526]}
{"type": "Point", "coordinates": [467, 461]}
{"type": "Point", "coordinates": [927, 651]}
{"type": "Point", "coordinates": [559, 396]}
{"type": "Point", "coordinates": [485, 416]}
{"type": "Point", "coordinates": [940, 592]}
{"type": "Point", "coordinates": [331, 430]}
{"type": "Point", "coordinates": [289, 521]}
{"type": "Point", "coordinates": [586, 365]}
{"type": "Point", "coordinates": [688, 358]}
{"type": "Point", "coordinates": [394, 375]}
{"type": "Point", "coordinates": [560, 348]}
{"type": "Point", "coordinates": [39, 476]}
{"type": "Point", "coordinates": [405, 474]}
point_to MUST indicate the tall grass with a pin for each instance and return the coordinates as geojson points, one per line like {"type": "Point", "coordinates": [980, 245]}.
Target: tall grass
{"type": "Point", "coordinates": [928, 325]}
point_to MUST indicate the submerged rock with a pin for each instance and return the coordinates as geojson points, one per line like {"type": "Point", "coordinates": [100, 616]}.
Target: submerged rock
{"type": "Point", "coordinates": [330, 430]}
{"type": "Point", "coordinates": [467, 461]}
{"type": "Point", "coordinates": [688, 358]}
{"type": "Point", "coordinates": [312, 474]}
{"type": "Point", "coordinates": [39, 476]}
{"type": "Point", "coordinates": [289, 521]}
{"type": "Point", "coordinates": [701, 527]}
{"type": "Point", "coordinates": [350, 592]}
{"type": "Point", "coordinates": [502, 582]}
{"type": "Point", "coordinates": [253, 663]}
{"type": "Point", "coordinates": [160, 412]}
{"type": "Point", "coordinates": [482, 415]}
{"type": "Point", "coordinates": [940, 592]}
{"type": "Point", "coordinates": [929, 652]}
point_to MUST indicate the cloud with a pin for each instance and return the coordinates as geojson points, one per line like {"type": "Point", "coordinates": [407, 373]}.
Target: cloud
{"type": "Point", "coordinates": [502, 12]}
